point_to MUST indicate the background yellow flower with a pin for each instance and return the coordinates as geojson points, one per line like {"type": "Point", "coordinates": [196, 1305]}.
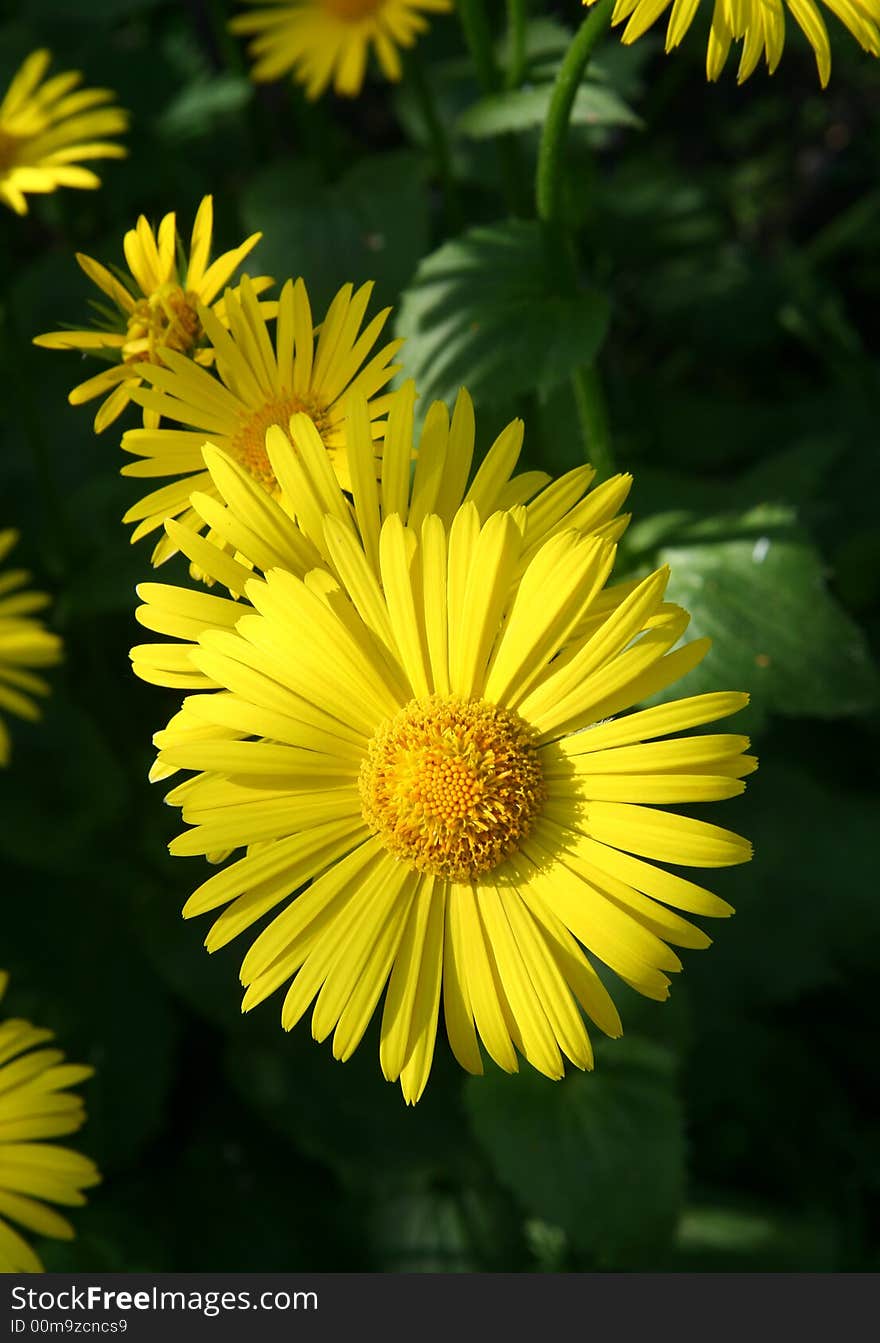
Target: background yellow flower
{"type": "Point", "coordinates": [260, 383]}
{"type": "Point", "coordinates": [24, 644]}
{"type": "Point", "coordinates": [36, 1103]}
{"type": "Point", "coordinates": [155, 308]}
{"type": "Point", "coordinates": [328, 41]}
{"type": "Point", "coordinates": [47, 128]}
{"type": "Point", "coordinates": [758, 24]}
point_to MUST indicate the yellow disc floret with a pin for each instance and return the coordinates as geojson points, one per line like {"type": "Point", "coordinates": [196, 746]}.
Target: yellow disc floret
{"type": "Point", "coordinates": [452, 785]}
{"type": "Point", "coordinates": [248, 444]}
{"type": "Point", "coordinates": [168, 317]}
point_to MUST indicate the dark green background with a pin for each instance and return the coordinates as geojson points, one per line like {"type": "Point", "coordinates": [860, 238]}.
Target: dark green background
{"type": "Point", "coordinates": [730, 237]}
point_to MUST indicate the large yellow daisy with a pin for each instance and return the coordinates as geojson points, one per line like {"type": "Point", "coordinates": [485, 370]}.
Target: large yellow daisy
{"type": "Point", "coordinates": [758, 24]}
{"type": "Point", "coordinates": [24, 644]}
{"type": "Point", "coordinates": [36, 1103]}
{"type": "Point", "coordinates": [434, 792]}
{"type": "Point", "coordinates": [154, 309]}
{"type": "Point", "coordinates": [251, 531]}
{"type": "Point", "coordinates": [260, 383]}
{"type": "Point", "coordinates": [48, 127]}
{"type": "Point", "coordinates": [327, 41]}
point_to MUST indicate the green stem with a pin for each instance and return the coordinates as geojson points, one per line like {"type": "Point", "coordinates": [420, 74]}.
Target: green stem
{"type": "Point", "coordinates": [585, 382]}
{"type": "Point", "coordinates": [593, 419]}
{"type": "Point", "coordinates": [228, 46]}
{"type": "Point", "coordinates": [477, 35]}
{"type": "Point", "coordinates": [549, 177]}
{"type": "Point", "coordinates": [424, 95]}
{"type": "Point", "coordinates": [517, 16]}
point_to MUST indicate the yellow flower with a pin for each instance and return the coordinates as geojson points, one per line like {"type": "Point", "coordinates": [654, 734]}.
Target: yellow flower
{"type": "Point", "coordinates": [425, 766]}
{"type": "Point", "coordinates": [252, 531]}
{"type": "Point", "coordinates": [324, 41]}
{"type": "Point", "coordinates": [35, 1103]}
{"type": "Point", "coordinates": [155, 310]}
{"type": "Point", "coordinates": [24, 644]}
{"type": "Point", "coordinates": [259, 384]}
{"type": "Point", "coordinates": [45, 128]}
{"type": "Point", "coordinates": [759, 24]}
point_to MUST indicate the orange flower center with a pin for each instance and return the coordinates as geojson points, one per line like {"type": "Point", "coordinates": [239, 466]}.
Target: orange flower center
{"type": "Point", "coordinates": [169, 318]}
{"type": "Point", "coordinates": [452, 785]}
{"type": "Point", "coordinates": [352, 11]}
{"type": "Point", "coordinates": [248, 445]}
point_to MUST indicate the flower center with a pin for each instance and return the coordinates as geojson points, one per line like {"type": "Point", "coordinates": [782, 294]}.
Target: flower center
{"type": "Point", "coordinates": [452, 785]}
{"type": "Point", "coordinates": [351, 11]}
{"type": "Point", "coordinates": [9, 145]}
{"type": "Point", "coordinates": [248, 444]}
{"type": "Point", "coordinates": [168, 317]}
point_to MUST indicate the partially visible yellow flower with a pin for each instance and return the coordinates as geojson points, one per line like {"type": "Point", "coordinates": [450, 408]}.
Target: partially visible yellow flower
{"type": "Point", "coordinates": [155, 310]}
{"type": "Point", "coordinates": [251, 531]}
{"type": "Point", "coordinates": [259, 383]}
{"type": "Point", "coordinates": [46, 129]}
{"type": "Point", "coordinates": [327, 41]}
{"type": "Point", "coordinates": [758, 24]}
{"type": "Point", "coordinates": [24, 644]}
{"type": "Point", "coordinates": [433, 790]}
{"type": "Point", "coordinates": [36, 1103]}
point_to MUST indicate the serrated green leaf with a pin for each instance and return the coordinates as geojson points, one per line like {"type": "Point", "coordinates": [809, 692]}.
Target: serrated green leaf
{"type": "Point", "coordinates": [599, 1154]}
{"type": "Point", "coordinates": [756, 586]}
{"type": "Point", "coordinates": [483, 312]}
{"type": "Point", "coordinates": [526, 108]}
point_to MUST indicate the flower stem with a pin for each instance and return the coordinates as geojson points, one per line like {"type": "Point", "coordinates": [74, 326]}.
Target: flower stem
{"type": "Point", "coordinates": [424, 95]}
{"type": "Point", "coordinates": [586, 385]}
{"type": "Point", "coordinates": [549, 177]}
{"type": "Point", "coordinates": [592, 415]}
{"type": "Point", "coordinates": [477, 35]}
{"type": "Point", "coordinates": [517, 16]}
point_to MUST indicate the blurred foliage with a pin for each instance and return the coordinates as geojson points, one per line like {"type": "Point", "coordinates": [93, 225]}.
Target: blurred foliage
{"type": "Point", "coordinates": [730, 280]}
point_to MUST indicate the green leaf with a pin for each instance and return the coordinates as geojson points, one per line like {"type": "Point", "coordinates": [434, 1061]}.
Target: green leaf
{"type": "Point", "coordinates": [371, 225]}
{"type": "Point", "coordinates": [483, 312]}
{"type": "Point", "coordinates": [526, 108]}
{"type": "Point", "coordinates": [197, 109]}
{"type": "Point", "coordinates": [544, 37]}
{"type": "Point", "coordinates": [728, 1238]}
{"type": "Point", "coordinates": [600, 1154]}
{"type": "Point", "coordinates": [756, 586]}
{"type": "Point", "coordinates": [426, 1229]}
{"type": "Point", "coordinates": [791, 937]}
